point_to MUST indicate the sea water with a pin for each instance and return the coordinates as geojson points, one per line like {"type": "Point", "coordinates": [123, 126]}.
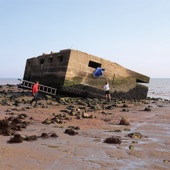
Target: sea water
{"type": "Point", "coordinates": [11, 81]}
{"type": "Point", "coordinates": [157, 87]}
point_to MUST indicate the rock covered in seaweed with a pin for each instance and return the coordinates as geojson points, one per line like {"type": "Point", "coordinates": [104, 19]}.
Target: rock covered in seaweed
{"type": "Point", "coordinates": [113, 140]}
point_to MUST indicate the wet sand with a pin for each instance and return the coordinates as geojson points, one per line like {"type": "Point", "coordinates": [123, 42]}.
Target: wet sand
{"type": "Point", "coordinates": [87, 149]}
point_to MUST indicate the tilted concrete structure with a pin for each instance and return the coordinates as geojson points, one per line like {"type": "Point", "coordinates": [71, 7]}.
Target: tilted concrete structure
{"type": "Point", "coordinates": [72, 71]}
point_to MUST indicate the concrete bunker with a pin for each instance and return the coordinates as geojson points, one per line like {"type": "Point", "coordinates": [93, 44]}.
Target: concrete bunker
{"type": "Point", "coordinates": [71, 71]}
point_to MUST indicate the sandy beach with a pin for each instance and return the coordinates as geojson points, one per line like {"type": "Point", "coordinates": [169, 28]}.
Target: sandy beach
{"type": "Point", "coordinates": [70, 133]}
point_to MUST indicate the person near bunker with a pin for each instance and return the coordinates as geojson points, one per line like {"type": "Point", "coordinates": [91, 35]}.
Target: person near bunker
{"type": "Point", "coordinates": [107, 92]}
{"type": "Point", "coordinates": [35, 89]}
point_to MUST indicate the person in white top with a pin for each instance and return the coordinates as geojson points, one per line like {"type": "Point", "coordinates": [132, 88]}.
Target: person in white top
{"type": "Point", "coordinates": [107, 92]}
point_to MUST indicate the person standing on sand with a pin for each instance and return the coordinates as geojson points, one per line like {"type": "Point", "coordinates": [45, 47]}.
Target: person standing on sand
{"type": "Point", "coordinates": [107, 92]}
{"type": "Point", "coordinates": [35, 89]}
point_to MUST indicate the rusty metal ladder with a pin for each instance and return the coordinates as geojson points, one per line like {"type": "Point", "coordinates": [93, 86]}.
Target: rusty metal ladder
{"type": "Point", "coordinates": [42, 88]}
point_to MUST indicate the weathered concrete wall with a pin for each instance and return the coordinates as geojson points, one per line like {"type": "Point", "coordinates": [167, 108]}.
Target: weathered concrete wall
{"type": "Point", "coordinates": [72, 71]}
{"type": "Point", "coordinates": [120, 78]}
{"type": "Point", "coordinates": [137, 93]}
{"type": "Point", "coordinates": [49, 69]}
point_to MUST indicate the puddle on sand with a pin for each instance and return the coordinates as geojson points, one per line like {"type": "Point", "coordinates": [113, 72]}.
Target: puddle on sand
{"type": "Point", "coordinates": [161, 127]}
{"type": "Point", "coordinates": [132, 165]}
{"type": "Point", "coordinates": [92, 158]}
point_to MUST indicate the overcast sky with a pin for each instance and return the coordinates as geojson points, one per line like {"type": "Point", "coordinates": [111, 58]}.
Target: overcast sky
{"type": "Point", "coordinates": [132, 33]}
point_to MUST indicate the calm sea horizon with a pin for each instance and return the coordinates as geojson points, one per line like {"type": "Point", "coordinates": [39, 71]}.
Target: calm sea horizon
{"type": "Point", "coordinates": [158, 87]}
